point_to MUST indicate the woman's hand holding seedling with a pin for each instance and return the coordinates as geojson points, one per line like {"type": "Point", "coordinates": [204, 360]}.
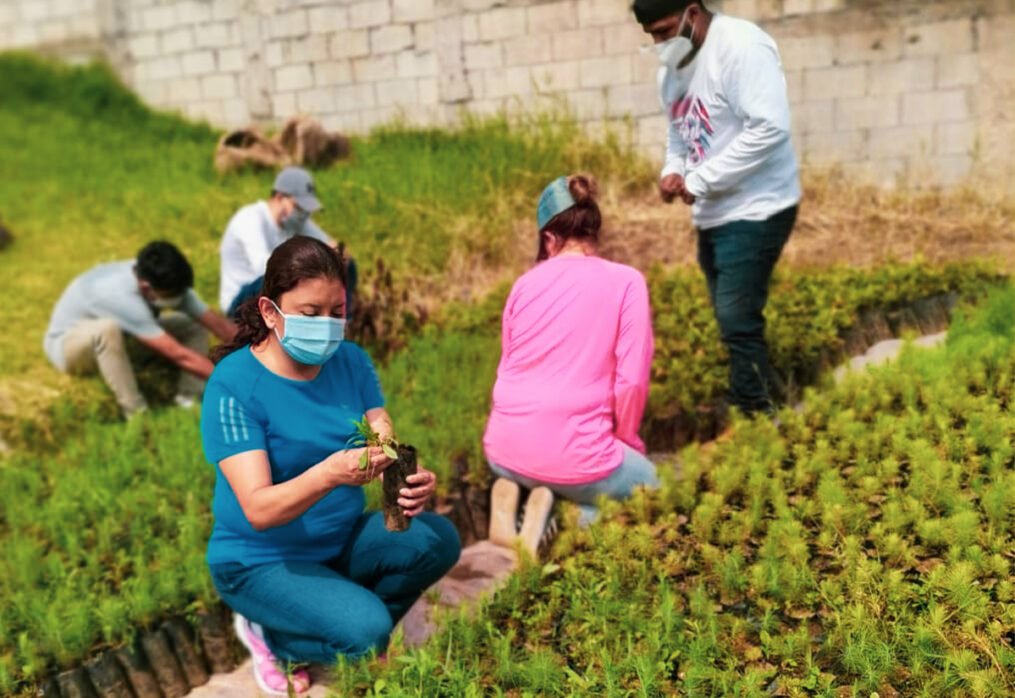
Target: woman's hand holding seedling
{"type": "Point", "coordinates": [413, 499]}
{"type": "Point", "coordinates": [368, 455]}
{"type": "Point", "coordinates": [358, 466]}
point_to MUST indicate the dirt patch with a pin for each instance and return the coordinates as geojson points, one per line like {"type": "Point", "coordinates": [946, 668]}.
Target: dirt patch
{"type": "Point", "coordinates": [840, 223]}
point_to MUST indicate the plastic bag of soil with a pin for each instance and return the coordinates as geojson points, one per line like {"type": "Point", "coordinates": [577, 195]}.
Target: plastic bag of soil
{"type": "Point", "coordinates": [394, 480]}
{"type": "Point", "coordinates": [247, 147]}
{"type": "Point", "coordinates": [308, 144]}
{"type": "Point", "coordinates": [302, 141]}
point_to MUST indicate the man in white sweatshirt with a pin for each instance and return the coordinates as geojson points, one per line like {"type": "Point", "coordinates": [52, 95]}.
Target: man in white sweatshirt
{"type": "Point", "coordinates": [257, 229]}
{"type": "Point", "coordinates": [729, 156]}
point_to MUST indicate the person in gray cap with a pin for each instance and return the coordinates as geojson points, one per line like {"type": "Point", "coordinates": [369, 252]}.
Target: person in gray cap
{"type": "Point", "coordinates": [257, 229]}
{"type": "Point", "coordinates": [730, 157]}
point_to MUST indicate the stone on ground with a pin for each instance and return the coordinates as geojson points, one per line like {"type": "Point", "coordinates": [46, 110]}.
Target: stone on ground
{"type": "Point", "coordinates": [885, 351]}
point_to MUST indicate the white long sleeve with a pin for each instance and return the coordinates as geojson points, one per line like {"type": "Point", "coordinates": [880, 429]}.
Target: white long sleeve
{"type": "Point", "coordinates": [675, 157]}
{"type": "Point", "coordinates": [757, 94]}
{"type": "Point", "coordinates": [729, 128]}
{"type": "Point", "coordinates": [312, 230]}
{"type": "Point", "coordinates": [676, 153]}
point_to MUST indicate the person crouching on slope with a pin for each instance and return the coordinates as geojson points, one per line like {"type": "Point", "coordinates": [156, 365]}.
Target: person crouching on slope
{"type": "Point", "coordinates": [310, 575]}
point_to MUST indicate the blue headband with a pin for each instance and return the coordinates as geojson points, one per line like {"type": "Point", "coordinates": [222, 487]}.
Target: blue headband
{"type": "Point", "coordinates": [555, 199]}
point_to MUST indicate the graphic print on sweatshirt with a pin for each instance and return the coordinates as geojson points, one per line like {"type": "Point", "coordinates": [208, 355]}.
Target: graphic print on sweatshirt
{"type": "Point", "coordinates": [694, 126]}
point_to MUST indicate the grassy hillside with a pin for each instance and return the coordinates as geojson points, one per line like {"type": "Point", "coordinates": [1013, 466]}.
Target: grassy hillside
{"type": "Point", "coordinates": [90, 175]}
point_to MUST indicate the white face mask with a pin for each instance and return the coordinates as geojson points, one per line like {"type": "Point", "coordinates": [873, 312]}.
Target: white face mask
{"type": "Point", "coordinates": [168, 303]}
{"type": "Point", "coordinates": [673, 51]}
{"type": "Point", "coordinates": [294, 222]}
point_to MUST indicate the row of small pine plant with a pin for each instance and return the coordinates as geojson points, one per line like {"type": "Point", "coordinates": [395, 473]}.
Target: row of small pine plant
{"type": "Point", "coordinates": [862, 545]}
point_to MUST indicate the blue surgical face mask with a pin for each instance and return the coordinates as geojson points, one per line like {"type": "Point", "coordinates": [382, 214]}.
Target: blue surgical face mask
{"type": "Point", "coordinates": [311, 340]}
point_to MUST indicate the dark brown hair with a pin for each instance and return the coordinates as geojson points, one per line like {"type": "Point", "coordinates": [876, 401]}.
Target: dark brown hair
{"type": "Point", "coordinates": [580, 222]}
{"type": "Point", "coordinates": [293, 261]}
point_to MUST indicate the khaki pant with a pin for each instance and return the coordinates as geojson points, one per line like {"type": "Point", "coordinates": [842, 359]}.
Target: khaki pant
{"type": "Point", "coordinates": [98, 345]}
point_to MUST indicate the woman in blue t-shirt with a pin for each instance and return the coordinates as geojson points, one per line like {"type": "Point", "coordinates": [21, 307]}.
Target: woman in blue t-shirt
{"type": "Point", "coordinates": [309, 574]}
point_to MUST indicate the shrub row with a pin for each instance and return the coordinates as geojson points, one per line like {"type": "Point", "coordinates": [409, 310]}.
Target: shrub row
{"type": "Point", "coordinates": [439, 387]}
{"type": "Point", "coordinates": [864, 544]}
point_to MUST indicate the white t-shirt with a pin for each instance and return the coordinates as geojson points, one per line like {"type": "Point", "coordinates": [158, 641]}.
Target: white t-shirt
{"type": "Point", "coordinates": [729, 133]}
{"type": "Point", "coordinates": [250, 238]}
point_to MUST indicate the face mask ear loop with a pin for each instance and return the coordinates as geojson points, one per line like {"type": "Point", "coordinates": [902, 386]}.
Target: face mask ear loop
{"type": "Point", "coordinates": [680, 28]}
{"type": "Point", "coordinates": [279, 311]}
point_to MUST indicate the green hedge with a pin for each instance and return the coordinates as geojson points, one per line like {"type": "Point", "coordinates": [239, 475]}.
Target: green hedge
{"type": "Point", "coordinates": [809, 314]}
{"type": "Point", "coordinates": [439, 387]}
{"type": "Point", "coordinates": [863, 545]}
{"type": "Point", "coordinates": [100, 538]}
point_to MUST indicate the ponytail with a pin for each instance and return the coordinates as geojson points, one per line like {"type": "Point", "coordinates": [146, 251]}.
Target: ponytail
{"type": "Point", "coordinates": [250, 330]}
{"type": "Point", "coordinates": [580, 222]}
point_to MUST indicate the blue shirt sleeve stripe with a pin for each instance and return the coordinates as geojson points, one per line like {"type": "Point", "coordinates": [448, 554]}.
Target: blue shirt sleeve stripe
{"type": "Point", "coordinates": [222, 419]}
{"type": "Point", "coordinates": [232, 418]}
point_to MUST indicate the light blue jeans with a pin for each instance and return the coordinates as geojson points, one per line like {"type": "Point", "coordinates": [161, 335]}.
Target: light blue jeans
{"type": "Point", "coordinates": [635, 470]}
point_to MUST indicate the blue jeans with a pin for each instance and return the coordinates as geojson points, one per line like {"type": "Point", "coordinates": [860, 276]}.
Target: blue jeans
{"type": "Point", "coordinates": [313, 612]}
{"type": "Point", "coordinates": [253, 290]}
{"type": "Point", "coordinates": [634, 470]}
{"type": "Point", "coordinates": [738, 259]}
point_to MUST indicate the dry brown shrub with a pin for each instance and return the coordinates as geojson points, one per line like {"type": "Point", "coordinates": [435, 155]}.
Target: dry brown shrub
{"type": "Point", "coordinates": [841, 223]}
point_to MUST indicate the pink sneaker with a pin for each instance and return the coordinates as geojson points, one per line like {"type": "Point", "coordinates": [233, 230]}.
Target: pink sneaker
{"type": "Point", "coordinates": [270, 679]}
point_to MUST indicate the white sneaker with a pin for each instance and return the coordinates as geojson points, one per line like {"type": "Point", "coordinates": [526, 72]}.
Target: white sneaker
{"type": "Point", "coordinates": [503, 512]}
{"type": "Point", "coordinates": [537, 512]}
{"type": "Point", "coordinates": [184, 401]}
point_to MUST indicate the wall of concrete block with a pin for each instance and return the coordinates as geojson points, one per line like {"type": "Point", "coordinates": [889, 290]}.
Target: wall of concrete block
{"type": "Point", "coordinates": [917, 88]}
{"type": "Point", "coordinates": [70, 25]}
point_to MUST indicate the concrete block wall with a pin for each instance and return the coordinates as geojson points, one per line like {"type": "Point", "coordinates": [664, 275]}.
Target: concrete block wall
{"type": "Point", "coordinates": [921, 88]}
{"type": "Point", "coordinates": [72, 25]}
{"type": "Point", "coordinates": [925, 91]}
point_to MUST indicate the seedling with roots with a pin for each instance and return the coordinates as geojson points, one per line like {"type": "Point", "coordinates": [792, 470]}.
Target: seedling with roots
{"type": "Point", "coordinates": [394, 477]}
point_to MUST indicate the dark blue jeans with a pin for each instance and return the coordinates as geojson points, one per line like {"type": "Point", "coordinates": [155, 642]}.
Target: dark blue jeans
{"type": "Point", "coordinates": [313, 612]}
{"type": "Point", "coordinates": [738, 259]}
{"type": "Point", "coordinates": [253, 289]}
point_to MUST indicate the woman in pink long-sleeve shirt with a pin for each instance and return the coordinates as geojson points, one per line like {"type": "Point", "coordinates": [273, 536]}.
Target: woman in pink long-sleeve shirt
{"type": "Point", "coordinates": [574, 369]}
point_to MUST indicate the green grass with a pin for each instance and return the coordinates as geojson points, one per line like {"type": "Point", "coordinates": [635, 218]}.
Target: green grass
{"type": "Point", "coordinates": [863, 545]}
{"type": "Point", "coordinates": [99, 539]}
{"type": "Point", "coordinates": [90, 175]}
{"type": "Point", "coordinates": [105, 531]}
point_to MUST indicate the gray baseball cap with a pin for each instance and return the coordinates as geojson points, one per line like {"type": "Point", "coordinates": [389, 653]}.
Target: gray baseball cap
{"type": "Point", "coordinates": [297, 183]}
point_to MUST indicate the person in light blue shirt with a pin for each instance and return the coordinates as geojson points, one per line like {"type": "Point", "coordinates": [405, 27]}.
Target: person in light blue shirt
{"type": "Point", "coordinates": [309, 574]}
{"type": "Point", "coordinates": [148, 299]}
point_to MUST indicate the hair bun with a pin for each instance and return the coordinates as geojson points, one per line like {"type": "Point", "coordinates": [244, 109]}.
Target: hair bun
{"type": "Point", "coordinates": [583, 188]}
